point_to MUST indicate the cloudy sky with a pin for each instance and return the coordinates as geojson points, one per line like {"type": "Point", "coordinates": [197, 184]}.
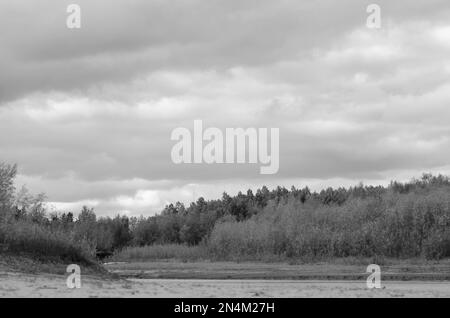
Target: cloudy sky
{"type": "Point", "coordinates": [87, 113]}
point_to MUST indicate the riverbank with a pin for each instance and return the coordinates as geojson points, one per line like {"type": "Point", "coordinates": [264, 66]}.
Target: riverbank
{"type": "Point", "coordinates": [22, 277]}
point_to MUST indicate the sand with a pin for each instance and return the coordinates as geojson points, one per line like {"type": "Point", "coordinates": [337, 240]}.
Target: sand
{"type": "Point", "coordinates": [14, 284]}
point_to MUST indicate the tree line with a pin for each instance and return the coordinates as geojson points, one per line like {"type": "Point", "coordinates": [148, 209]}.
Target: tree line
{"type": "Point", "coordinates": [293, 222]}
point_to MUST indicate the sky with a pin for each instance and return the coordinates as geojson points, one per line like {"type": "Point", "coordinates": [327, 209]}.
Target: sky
{"type": "Point", "coordinates": [87, 114]}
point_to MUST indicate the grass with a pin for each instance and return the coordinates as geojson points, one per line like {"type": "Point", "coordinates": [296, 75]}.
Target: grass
{"type": "Point", "coordinates": [196, 262]}
{"type": "Point", "coordinates": [161, 252]}
{"type": "Point", "coordinates": [26, 264]}
{"type": "Point", "coordinates": [336, 269]}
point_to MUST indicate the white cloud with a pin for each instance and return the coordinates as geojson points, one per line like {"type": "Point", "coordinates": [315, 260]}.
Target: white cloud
{"type": "Point", "coordinates": [442, 35]}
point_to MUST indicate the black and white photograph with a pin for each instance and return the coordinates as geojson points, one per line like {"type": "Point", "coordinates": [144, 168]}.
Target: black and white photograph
{"type": "Point", "coordinates": [249, 150]}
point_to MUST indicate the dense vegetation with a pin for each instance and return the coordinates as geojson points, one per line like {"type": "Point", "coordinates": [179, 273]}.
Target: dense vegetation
{"type": "Point", "coordinates": [402, 220]}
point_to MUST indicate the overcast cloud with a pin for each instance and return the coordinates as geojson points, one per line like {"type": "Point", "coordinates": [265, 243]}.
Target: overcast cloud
{"type": "Point", "coordinates": [87, 114]}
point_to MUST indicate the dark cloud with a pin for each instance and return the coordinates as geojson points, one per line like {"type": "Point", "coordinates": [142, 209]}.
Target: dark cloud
{"type": "Point", "coordinates": [120, 40]}
{"type": "Point", "coordinates": [88, 113]}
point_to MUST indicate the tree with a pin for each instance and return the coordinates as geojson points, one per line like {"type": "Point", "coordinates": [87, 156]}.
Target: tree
{"type": "Point", "coordinates": [121, 231]}
{"type": "Point", "coordinates": [7, 176]}
{"type": "Point", "coordinates": [85, 227]}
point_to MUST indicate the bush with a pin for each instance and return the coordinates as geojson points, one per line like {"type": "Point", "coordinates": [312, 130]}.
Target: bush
{"type": "Point", "coordinates": [401, 221]}
{"type": "Point", "coordinates": [25, 228]}
{"type": "Point", "coordinates": [394, 225]}
{"type": "Point", "coordinates": [38, 241]}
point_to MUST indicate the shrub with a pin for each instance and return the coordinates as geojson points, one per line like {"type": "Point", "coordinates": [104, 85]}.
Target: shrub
{"type": "Point", "coordinates": [38, 241]}
{"type": "Point", "coordinates": [393, 225]}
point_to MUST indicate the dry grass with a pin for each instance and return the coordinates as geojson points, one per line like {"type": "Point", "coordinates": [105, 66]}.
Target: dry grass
{"type": "Point", "coordinates": [41, 243]}
{"type": "Point", "coordinates": [161, 252]}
